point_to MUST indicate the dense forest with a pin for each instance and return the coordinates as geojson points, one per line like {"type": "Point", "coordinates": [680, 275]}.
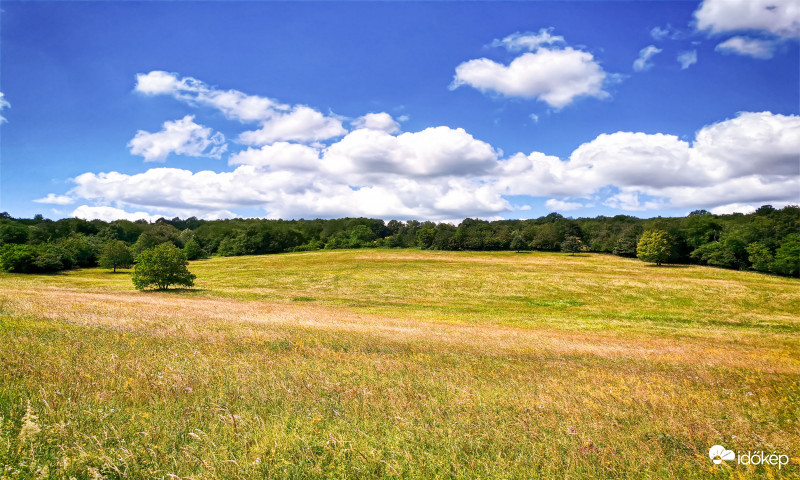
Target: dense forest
{"type": "Point", "coordinates": [767, 240]}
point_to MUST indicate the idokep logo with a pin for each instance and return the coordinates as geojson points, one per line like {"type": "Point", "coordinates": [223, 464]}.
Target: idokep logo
{"type": "Point", "coordinates": [717, 454]}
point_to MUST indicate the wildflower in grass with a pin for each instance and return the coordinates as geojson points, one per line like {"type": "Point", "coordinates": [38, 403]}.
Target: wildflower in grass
{"type": "Point", "coordinates": [588, 447]}
{"type": "Point", "coordinates": [94, 474]}
{"type": "Point", "coordinates": [43, 472]}
{"type": "Point", "coordinates": [29, 426]}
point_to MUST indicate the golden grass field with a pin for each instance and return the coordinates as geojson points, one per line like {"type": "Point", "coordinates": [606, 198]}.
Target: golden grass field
{"type": "Point", "coordinates": [400, 364]}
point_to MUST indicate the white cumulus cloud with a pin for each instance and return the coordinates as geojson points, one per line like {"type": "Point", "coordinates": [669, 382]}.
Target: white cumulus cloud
{"type": "Point", "coordinates": [434, 173]}
{"type": "Point", "coordinates": [631, 201]}
{"type": "Point", "coordinates": [3, 105]}
{"type": "Point", "coordinates": [109, 214]}
{"type": "Point", "coordinates": [753, 158]}
{"type": "Point", "coordinates": [733, 208]}
{"type": "Point", "coordinates": [436, 151]}
{"type": "Point", "coordinates": [232, 103]}
{"type": "Point", "coordinates": [278, 121]}
{"type": "Point", "coordinates": [537, 175]}
{"type": "Point", "coordinates": [377, 121]}
{"type": "Point", "coordinates": [554, 76]}
{"type": "Point", "coordinates": [753, 189]}
{"type": "Point", "coordinates": [279, 156]}
{"type": "Point", "coordinates": [159, 82]}
{"type": "Point", "coordinates": [528, 40]}
{"type": "Point", "coordinates": [753, 143]}
{"type": "Point", "coordinates": [285, 194]}
{"type": "Point", "coordinates": [302, 124]}
{"type": "Point", "coordinates": [54, 199]}
{"type": "Point", "coordinates": [556, 205]}
{"type": "Point", "coordinates": [751, 47]}
{"type": "Point", "coordinates": [687, 59]}
{"type": "Point", "coordinates": [777, 17]}
{"type": "Point", "coordinates": [171, 188]}
{"type": "Point", "coordinates": [643, 63]}
{"type": "Point", "coordinates": [183, 137]}
{"type": "Point", "coordinates": [667, 32]}
{"type": "Point", "coordinates": [635, 159]}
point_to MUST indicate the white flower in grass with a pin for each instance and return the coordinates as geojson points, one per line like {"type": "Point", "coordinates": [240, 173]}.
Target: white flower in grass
{"type": "Point", "coordinates": [29, 426]}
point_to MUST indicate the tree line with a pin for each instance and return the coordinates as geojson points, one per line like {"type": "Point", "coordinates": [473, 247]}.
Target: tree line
{"type": "Point", "coordinates": [766, 240]}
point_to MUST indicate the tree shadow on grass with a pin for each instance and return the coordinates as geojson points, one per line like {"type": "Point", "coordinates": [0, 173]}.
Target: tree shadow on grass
{"type": "Point", "coordinates": [671, 265]}
{"type": "Point", "coordinates": [179, 291]}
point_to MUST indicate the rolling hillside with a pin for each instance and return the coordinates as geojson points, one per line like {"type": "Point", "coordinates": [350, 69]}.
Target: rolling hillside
{"type": "Point", "coordinates": [400, 364]}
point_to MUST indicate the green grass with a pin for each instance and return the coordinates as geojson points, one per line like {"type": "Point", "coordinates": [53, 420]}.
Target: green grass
{"type": "Point", "coordinates": [401, 364]}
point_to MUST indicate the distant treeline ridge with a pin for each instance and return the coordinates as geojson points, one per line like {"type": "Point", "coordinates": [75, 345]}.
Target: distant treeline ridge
{"type": "Point", "coordinates": [766, 240]}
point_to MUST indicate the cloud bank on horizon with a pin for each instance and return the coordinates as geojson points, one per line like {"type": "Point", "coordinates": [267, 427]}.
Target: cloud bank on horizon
{"type": "Point", "coordinates": [439, 173]}
{"type": "Point", "coordinates": [293, 160]}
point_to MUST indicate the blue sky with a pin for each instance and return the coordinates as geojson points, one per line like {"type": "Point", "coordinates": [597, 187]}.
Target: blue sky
{"type": "Point", "coordinates": [397, 109]}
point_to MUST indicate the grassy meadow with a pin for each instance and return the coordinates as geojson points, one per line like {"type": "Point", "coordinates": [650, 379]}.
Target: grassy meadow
{"type": "Point", "coordinates": [400, 364]}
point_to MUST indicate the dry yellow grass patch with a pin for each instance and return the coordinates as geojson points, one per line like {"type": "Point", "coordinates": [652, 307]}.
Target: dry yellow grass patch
{"type": "Point", "coordinates": [203, 318]}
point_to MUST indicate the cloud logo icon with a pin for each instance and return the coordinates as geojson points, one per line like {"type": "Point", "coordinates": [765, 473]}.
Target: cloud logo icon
{"type": "Point", "coordinates": [717, 454]}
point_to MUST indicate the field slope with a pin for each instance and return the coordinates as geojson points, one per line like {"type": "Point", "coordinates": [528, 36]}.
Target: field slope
{"type": "Point", "coordinates": [400, 364]}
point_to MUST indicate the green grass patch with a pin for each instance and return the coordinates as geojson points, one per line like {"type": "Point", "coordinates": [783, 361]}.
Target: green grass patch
{"type": "Point", "coordinates": [400, 364]}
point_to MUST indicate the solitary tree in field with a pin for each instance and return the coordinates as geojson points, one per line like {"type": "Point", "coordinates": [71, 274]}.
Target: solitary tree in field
{"type": "Point", "coordinates": [572, 244]}
{"type": "Point", "coordinates": [115, 255]}
{"type": "Point", "coordinates": [161, 267]}
{"type": "Point", "coordinates": [654, 246]}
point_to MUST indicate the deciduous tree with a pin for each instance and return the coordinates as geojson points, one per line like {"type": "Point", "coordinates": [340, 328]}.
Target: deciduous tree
{"type": "Point", "coordinates": [654, 246]}
{"type": "Point", "coordinates": [161, 267]}
{"type": "Point", "coordinates": [115, 254]}
{"type": "Point", "coordinates": [760, 257]}
{"type": "Point", "coordinates": [572, 244]}
{"type": "Point", "coordinates": [787, 257]}
{"type": "Point", "coordinates": [517, 242]}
